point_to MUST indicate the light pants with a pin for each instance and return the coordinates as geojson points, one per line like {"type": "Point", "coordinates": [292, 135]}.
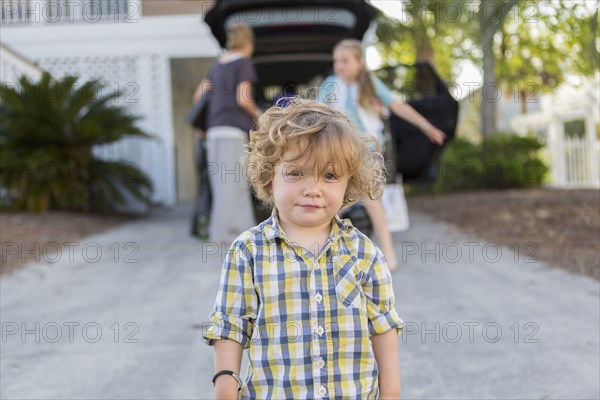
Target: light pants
{"type": "Point", "coordinates": [232, 209]}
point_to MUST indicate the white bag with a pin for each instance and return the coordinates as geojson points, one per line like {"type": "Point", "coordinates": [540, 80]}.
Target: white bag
{"type": "Point", "coordinates": [395, 208]}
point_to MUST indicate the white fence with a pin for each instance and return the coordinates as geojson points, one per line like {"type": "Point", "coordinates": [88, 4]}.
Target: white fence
{"type": "Point", "coordinates": [580, 170]}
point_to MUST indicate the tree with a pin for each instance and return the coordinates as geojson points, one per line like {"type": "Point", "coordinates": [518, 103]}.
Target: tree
{"type": "Point", "coordinates": [451, 29]}
{"type": "Point", "coordinates": [492, 14]}
{"type": "Point", "coordinates": [524, 46]}
{"type": "Point", "coordinates": [47, 132]}
{"type": "Point", "coordinates": [542, 44]}
{"type": "Point", "coordinates": [435, 31]}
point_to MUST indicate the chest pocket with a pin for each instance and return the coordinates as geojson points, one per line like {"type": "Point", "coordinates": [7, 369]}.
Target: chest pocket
{"type": "Point", "coordinates": [347, 282]}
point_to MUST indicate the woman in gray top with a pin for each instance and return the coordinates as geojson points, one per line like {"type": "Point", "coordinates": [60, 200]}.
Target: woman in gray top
{"type": "Point", "coordinates": [231, 110]}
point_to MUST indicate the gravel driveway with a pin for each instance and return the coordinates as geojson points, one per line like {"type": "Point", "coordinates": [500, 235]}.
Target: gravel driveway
{"type": "Point", "coordinates": [120, 316]}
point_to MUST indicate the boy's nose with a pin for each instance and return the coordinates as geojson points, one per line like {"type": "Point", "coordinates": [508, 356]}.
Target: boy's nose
{"type": "Point", "coordinates": [312, 187]}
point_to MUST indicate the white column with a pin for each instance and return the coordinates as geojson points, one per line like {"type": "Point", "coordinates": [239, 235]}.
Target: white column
{"type": "Point", "coordinates": [590, 135]}
{"type": "Point", "coordinates": [557, 151]}
{"type": "Point", "coordinates": [154, 80]}
{"type": "Point", "coordinates": [168, 133]}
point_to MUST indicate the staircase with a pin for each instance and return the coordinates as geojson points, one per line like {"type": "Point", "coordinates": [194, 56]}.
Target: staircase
{"type": "Point", "coordinates": [13, 66]}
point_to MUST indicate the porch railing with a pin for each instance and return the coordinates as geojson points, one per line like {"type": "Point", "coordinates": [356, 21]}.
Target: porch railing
{"type": "Point", "coordinates": [580, 170]}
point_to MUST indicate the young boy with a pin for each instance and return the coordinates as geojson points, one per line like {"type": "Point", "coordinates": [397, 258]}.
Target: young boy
{"type": "Point", "coordinates": [309, 295]}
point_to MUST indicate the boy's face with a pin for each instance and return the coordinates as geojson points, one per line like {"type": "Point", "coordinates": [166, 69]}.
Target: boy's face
{"type": "Point", "coordinates": [305, 197]}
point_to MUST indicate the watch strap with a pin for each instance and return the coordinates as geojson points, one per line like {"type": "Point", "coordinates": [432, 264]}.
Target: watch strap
{"type": "Point", "coordinates": [228, 372]}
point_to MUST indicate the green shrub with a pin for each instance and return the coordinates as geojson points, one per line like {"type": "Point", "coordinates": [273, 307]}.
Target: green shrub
{"type": "Point", "coordinates": [47, 131]}
{"type": "Point", "coordinates": [460, 165]}
{"type": "Point", "coordinates": [500, 162]}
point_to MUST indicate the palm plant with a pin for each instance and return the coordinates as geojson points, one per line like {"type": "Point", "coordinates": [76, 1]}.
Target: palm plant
{"type": "Point", "coordinates": [47, 131]}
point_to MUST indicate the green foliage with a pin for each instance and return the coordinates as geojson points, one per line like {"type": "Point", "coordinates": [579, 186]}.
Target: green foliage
{"type": "Point", "coordinates": [541, 42]}
{"type": "Point", "coordinates": [47, 131]}
{"type": "Point", "coordinates": [500, 162]}
{"type": "Point", "coordinates": [538, 43]}
{"type": "Point", "coordinates": [427, 30]}
{"type": "Point", "coordinates": [575, 129]}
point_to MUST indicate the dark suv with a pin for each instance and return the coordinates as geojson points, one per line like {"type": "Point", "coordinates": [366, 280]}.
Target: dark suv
{"type": "Point", "coordinates": [293, 45]}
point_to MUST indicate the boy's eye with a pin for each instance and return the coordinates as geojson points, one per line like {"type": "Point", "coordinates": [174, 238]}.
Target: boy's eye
{"type": "Point", "coordinates": [292, 175]}
{"type": "Point", "coordinates": [330, 176]}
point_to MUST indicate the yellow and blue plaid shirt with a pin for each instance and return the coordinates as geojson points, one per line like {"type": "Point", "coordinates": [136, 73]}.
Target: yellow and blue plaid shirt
{"type": "Point", "coordinates": [306, 320]}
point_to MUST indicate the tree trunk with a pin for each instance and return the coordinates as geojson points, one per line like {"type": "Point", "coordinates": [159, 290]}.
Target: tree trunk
{"type": "Point", "coordinates": [523, 100]}
{"type": "Point", "coordinates": [424, 51]}
{"type": "Point", "coordinates": [488, 91]}
{"type": "Point", "coordinates": [491, 17]}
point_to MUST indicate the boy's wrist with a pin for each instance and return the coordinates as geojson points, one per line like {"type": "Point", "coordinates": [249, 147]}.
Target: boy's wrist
{"type": "Point", "coordinates": [227, 372]}
{"type": "Point", "coordinates": [226, 387]}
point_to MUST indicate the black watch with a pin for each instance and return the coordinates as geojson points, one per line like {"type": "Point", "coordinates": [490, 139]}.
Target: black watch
{"type": "Point", "coordinates": [228, 372]}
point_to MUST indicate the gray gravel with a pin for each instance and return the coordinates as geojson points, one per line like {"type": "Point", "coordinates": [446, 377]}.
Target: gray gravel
{"type": "Point", "coordinates": [128, 324]}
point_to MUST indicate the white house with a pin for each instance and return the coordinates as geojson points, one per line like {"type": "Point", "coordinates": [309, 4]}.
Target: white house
{"type": "Point", "coordinates": [155, 51]}
{"type": "Point", "coordinates": [574, 159]}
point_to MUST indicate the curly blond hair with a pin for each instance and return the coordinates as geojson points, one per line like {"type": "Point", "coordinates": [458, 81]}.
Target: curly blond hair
{"type": "Point", "coordinates": [326, 135]}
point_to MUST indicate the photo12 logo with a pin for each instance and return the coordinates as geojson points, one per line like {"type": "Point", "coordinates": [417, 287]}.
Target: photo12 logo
{"type": "Point", "coordinates": [54, 332]}
{"type": "Point", "coordinates": [70, 11]}
{"type": "Point", "coordinates": [469, 332]}
{"type": "Point", "coordinates": [71, 252]}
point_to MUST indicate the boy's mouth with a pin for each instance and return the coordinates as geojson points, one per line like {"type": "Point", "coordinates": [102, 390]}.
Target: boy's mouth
{"type": "Point", "coordinates": [310, 206]}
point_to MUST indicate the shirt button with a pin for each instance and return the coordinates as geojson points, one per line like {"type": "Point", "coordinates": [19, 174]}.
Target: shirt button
{"type": "Point", "coordinates": [320, 330]}
{"type": "Point", "coordinates": [321, 363]}
{"type": "Point", "coordinates": [322, 391]}
{"type": "Point", "coordinates": [318, 297]}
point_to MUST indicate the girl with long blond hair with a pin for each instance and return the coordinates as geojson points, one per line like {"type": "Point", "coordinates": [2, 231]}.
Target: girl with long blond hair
{"type": "Point", "coordinates": [365, 98]}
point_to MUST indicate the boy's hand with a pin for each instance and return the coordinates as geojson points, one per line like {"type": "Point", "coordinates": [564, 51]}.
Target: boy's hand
{"type": "Point", "coordinates": [228, 355]}
{"type": "Point", "coordinates": [226, 388]}
{"type": "Point", "coordinates": [385, 347]}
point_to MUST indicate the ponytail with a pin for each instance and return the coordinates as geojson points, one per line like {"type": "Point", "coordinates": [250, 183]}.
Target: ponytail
{"type": "Point", "coordinates": [366, 91]}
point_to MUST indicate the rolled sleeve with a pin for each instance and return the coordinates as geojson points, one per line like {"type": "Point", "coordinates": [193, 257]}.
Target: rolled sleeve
{"type": "Point", "coordinates": [227, 327]}
{"type": "Point", "coordinates": [379, 294]}
{"type": "Point", "coordinates": [236, 304]}
{"type": "Point", "coordinates": [384, 322]}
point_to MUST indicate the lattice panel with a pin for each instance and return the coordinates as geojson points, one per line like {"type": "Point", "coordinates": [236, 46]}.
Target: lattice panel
{"type": "Point", "coordinates": [145, 85]}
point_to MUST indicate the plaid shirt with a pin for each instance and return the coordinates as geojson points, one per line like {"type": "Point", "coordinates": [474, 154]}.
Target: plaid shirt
{"type": "Point", "coordinates": [306, 320]}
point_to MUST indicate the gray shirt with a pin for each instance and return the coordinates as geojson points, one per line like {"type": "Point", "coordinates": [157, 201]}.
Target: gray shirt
{"type": "Point", "coordinates": [223, 109]}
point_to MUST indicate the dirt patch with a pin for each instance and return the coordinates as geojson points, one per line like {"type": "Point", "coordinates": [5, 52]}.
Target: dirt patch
{"type": "Point", "coordinates": [23, 235]}
{"type": "Point", "coordinates": [560, 227]}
